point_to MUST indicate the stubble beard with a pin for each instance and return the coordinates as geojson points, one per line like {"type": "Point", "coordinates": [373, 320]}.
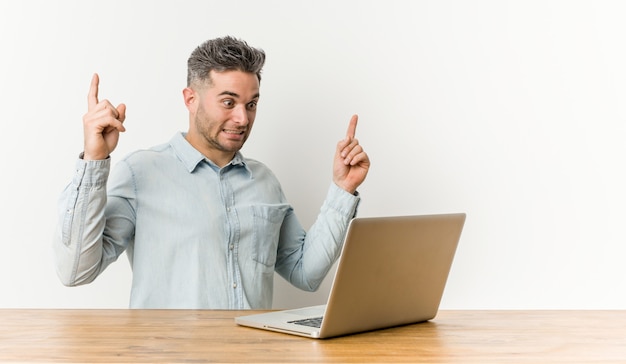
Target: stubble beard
{"type": "Point", "coordinates": [203, 124]}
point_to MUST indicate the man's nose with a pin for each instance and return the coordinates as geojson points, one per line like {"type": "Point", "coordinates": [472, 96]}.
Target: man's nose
{"type": "Point", "coordinates": [240, 115]}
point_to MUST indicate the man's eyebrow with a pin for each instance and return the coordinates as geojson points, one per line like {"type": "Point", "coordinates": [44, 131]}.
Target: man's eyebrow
{"type": "Point", "coordinates": [236, 95]}
{"type": "Point", "coordinates": [229, 93]}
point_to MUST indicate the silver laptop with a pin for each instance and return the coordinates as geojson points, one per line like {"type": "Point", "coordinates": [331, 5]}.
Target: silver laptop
{"type": "Point", "coordinates": [392, 271]}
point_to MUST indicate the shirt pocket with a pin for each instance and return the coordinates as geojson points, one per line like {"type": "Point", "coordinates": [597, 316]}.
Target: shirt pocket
{"type": "Point", "coordinates": [267, 221]}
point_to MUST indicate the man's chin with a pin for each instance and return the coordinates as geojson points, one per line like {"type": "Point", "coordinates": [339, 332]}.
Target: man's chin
{"type": "Point", "coordinates": [233, 142]}
{"type": "Point", "coordinates": [232, 146]}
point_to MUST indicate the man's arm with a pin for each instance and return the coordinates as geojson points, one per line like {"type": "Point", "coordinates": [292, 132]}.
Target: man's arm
{"type": "Point", "coordinates": [78, 244]}
{"type": "Point", "coordinates": [304, 258]}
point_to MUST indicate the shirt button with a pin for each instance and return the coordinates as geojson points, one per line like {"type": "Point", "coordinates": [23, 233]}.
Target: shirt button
{"type": "Point", "coordinates": [234, 285]}
{"type": "Point", "coordinates": [231, 247]}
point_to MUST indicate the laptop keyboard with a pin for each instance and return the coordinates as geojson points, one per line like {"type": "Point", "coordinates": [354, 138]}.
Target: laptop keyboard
{"type": "Point", "coordinates": [311, 322]}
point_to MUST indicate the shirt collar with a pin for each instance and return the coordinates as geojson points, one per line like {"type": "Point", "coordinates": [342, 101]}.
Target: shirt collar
{"type": "Point", "coordinates": [191, 157]}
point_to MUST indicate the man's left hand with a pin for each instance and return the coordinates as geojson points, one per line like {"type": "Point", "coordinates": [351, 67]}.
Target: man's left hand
{"type": "Point", "coordinates": [351, 163]}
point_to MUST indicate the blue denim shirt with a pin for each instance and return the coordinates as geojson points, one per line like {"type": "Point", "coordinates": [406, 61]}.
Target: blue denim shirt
{"type": "Point", "coordinates": [197, 236]}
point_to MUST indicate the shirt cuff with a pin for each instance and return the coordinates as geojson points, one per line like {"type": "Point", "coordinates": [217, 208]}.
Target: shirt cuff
{"type": "Point", "coordinates": [342, 201]}
{"type": "Point", "coordinates": [91, 173]}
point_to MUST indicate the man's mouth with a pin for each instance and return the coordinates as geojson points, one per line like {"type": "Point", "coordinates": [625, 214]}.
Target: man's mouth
{"type": "Point", "coordinates": [234, 131]}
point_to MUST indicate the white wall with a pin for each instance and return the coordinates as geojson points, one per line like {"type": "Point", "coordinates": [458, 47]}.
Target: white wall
{"type": "Point", "coordinates": [510, 111]}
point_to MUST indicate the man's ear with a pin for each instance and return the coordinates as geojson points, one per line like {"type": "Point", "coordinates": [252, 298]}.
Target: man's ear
{"type": "Point", "coordinates": [191, 99]}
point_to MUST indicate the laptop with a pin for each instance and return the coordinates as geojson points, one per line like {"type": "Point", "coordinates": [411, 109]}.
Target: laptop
{"type": "Point", "coordinates": [392, 271]}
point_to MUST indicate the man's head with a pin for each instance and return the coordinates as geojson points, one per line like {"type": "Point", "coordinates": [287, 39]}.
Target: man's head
{"type": "Point", "coordinates": [223, 54]}
{"type": "Point", "coordinates": [222, 94]}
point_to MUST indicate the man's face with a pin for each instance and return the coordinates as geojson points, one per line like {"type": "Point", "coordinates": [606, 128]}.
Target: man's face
{"type": "Point", "coordinates": [222, 114]}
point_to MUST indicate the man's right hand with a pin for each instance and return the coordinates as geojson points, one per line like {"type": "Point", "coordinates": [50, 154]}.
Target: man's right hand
{"type": "Point", "coordinates": [102, 124]}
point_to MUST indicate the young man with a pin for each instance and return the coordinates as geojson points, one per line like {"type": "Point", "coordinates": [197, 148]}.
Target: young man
{"type": "Point", "coordinates": [203, 227]}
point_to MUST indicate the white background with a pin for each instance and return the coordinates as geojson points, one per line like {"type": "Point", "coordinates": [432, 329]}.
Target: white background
{"type": "Point", "coordinates": [510, 111]}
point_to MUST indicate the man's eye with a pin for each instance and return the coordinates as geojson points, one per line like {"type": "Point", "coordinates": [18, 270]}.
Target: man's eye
{"type": "Point", "coordinates": [228, 103]}
{"type": "Point", "coordinates": [252, 105]}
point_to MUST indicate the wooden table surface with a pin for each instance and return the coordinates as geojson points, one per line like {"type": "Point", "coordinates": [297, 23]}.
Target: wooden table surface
{"type": "Point", "coordinates": [180, 336]}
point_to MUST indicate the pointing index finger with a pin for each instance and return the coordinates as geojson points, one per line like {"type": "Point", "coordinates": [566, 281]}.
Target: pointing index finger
{"type": "Point", "coordinates": [352, 127]}
{"type": "Point", "coordinates": [92, 97]}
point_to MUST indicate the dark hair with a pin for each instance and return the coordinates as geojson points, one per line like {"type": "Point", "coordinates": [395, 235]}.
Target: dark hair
{"type": "Point", "coordinates": [223, 54]}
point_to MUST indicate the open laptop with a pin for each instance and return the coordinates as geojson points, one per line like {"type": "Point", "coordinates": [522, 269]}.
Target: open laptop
{"type": "Point", "coordinates": [392, 271]}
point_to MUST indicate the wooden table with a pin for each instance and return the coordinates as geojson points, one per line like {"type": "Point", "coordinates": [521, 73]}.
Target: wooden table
{"type": "Point", "coordinates": [152, 336]}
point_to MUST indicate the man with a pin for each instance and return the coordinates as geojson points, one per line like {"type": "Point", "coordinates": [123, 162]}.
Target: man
{"type": "Point", "coordinates": [203, 227]}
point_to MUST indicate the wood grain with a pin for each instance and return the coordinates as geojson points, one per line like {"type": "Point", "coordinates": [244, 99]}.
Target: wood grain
{"type": "Point", "coordinates": [191, 336]}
